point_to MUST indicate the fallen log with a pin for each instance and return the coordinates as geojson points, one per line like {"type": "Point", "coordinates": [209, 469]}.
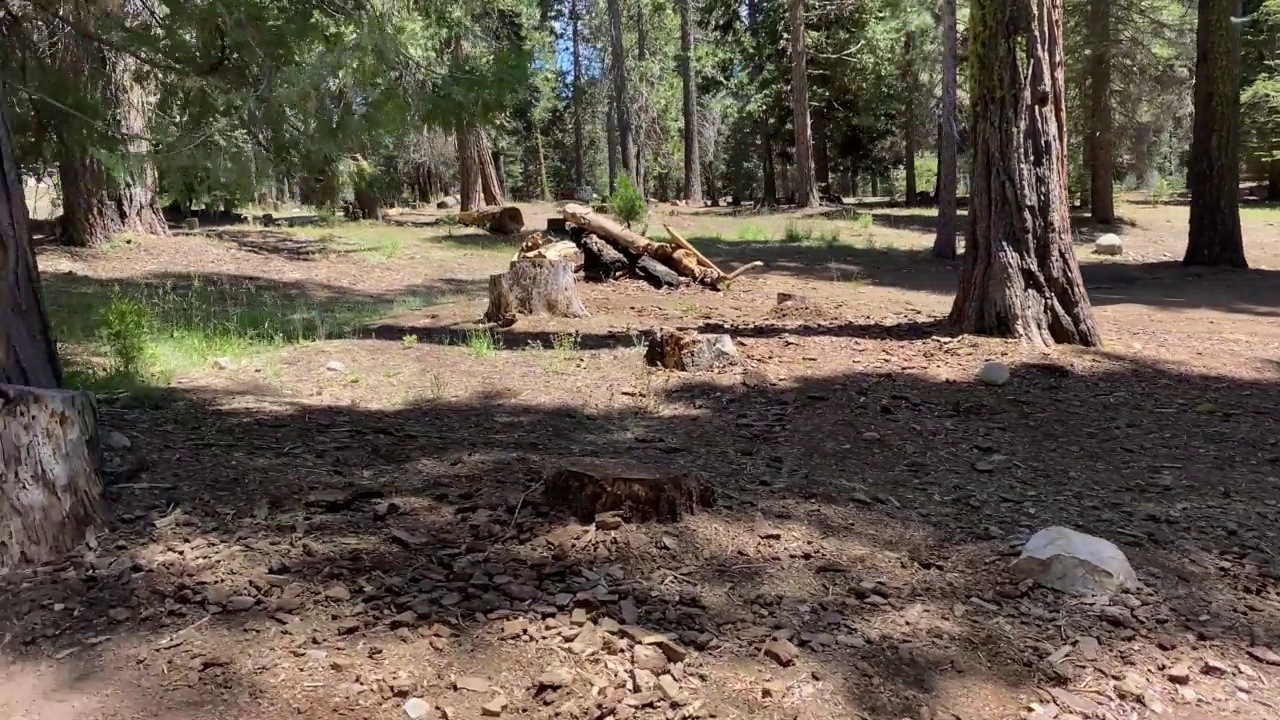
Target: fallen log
{"type": "Point", "coordinates": [447, 203]}
{"type": "Point", "coordinates": [503, 220]}
{"type": "Point", "coordinates": [50, 474]}
{"type": "Point", "coordinates": [601, 261]}
{"type": "Point", "coordinates": [585, 487]}
{"type": "Point", "coordinates": [533, 286]}
{"type": "Point", "coordinates": [679, 241]}
{"type": "Point", "coordinates": [656, 274]}
{"type": "Point", "coordinates": [611, 231]}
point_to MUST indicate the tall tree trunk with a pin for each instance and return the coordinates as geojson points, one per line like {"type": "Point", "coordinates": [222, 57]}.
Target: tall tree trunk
{"type": "Point", "coordinates": [909, 118]}
{"type": "Point", "coordinates": [770, 190]}
{"type": "Point", "coordinates": [1213, 173]}
{"type": "Point", "coordinates": [579, 173]}
{"type": "Point", "coordinates": [1020, 278]}
{"type": "Point", "coordinates": [692, 164]}
{"type": "Point", "coordinates": [468, 173]}
{"type": "Point", "coordinates": [544, 187]}
{"type": "Point", "coordinates": [944, 243]}
{"type": "Point", "coordinates": [1102, 165]}
{"type": "Point", "coordinates": [806, 188]}
{"type": "Point", "coordinates": [490, 183]}
{"type": "Point", "coordinates": [821, 156]}
{"type": "Point", "coordinates": [1273, 180]}
{"type": "Point", "coordinates": [642, 99]}
{"type": "Point", "coordinates": [611, 139]}
{"type": "Point", "coordinates": [621, 101]}
{"type": "Point", "coordinates": [28, 355]}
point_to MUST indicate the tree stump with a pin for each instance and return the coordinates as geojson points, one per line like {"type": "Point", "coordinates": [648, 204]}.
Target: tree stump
{"type": "Point", "coordinates": [685, 350]}
{"type": "Point", "coordinates": [191, 223]}
{"type": "Point", "coordinates": [585, 487]}
{"type": "Point", "coordinates": [533, 286]}
{"type": "Point", "coordinates": [50, 474]}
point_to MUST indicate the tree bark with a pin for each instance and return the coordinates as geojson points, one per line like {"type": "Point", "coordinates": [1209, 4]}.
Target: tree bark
{"type": "Point", "coordinates": [579, 173]}
{"type": "Point", "coordinates": [490, 183]}
{"type": "Point", "coordinates": [50, 474]}
{"type": "Point", "coordinates": [909, 119]}
{"type": "Point", "coordinates": [1273, 181]}
{"type": "Point", "coordinates": [1020, 278]}
{"type": "Point", "coordinates": [368, 204]}
{"type": "Point", "coordinates": [821, 155]}
{"type": "Point", "coordinates": [641, 100]}
{"type": "Point", "coordinates": [585, 487]}
{"type": "Point", "coordinates": [28, 354]}
{"type": "Point", "coordinates": [1213, 173]}
{"type": "Point", "coordinates": [533, 286]}
{"type": "Point", "coordinates": [805, 186]}
{"type": "Point", "coordinates": [620, 99]}
{"type": "Point", "coordinates": [944, 243]}
{"type": "Point", "coordinates": [1102, 163]}
{"type": "Point", "coordinates": [692, 165]}
{"type": "Point", "coordinates": [611, 139]}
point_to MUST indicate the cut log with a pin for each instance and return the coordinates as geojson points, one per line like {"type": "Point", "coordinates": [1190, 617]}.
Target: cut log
{"type": "Point", "coordinates": [685, 350]}
{"type": "Point", "coordinates": [447, 203]}
{"type": "Point", "coordinates": [601, 261]}
{"type": "Point", "coordinates": [507, 220]}
{"type": "Point", "coordinates": [585, 487]}
{"type": "Point", "coordinates": [558, 250]}
{"type": "Point", "coordinates": [657, 274]}
{"type": "Point", "coordinates": [50, 474]}
{"type": "Point", "coordinates": [557, 225]}
{"type": "Point", "coordinates": [533, 286]}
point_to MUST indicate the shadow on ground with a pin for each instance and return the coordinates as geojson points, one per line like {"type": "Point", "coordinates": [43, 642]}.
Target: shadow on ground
{"type": "Point", "coordinates": [865, 471]}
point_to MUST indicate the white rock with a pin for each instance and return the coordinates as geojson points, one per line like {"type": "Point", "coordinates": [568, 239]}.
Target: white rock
{"type": "Point", "coordinates": [1108, 244]}
{"type": "Point", "coordinates": [416, 708]}
{"type": "Point", "coordinates": [222, 363]}
{"type": "Point", "coordinates": [1075, 563]}
{"type": "Point", "coordinates": [993, 373]}
{"type": "Point", "coordinates": [334, 366]}
{"type": "Point", "coordinates": [116, 441]}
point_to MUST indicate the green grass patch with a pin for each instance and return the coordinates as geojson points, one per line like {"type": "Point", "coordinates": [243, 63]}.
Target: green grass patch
{"type": "Point", "coordinates": [125, 334]}
{"type": "Point", "coordinates": [482, 342]}
{"type": "Point", "coordinates": [754, 233]}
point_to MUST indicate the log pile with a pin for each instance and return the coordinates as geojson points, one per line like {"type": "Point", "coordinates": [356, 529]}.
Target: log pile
{"type": "Point", "coordinates": [611, 251]}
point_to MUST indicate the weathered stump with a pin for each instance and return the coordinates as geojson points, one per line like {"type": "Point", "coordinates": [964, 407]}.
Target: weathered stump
{"type": "Point", "coordinates": [533, 286]}
{"type": "Point", "coordinates": [585, 487]}
{"type": "Point", "coordinates": [191, 223]}
{"type": "Point", "coordinates": [685, 350]}
{"type": "Point", "coordinates": [50, 474]}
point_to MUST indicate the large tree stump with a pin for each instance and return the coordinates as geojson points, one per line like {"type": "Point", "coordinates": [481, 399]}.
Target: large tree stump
{"type": "Point", "coordinates": [50, 474]}
{"type": "Point", "coordinates": [505, 220]}
{"type": "Point", "coordinates": [533, 286]}
{"type": "Point", "coordinates": [686, 350]}
{"type": "Point", "coordinates": [585, 487]}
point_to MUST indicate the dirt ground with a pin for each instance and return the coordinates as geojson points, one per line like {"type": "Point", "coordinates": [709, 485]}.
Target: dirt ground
{"type": "Point", "coordinates": [337, 528]}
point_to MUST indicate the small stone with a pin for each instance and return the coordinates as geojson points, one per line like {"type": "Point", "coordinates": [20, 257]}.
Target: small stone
{"type": "Point", "coordinates": [1187, 694]}
{"type": "Point", "coordinates": [472, 683]}
{"type": "Point", "coordinates": [1213, 668]}
{"type": "Point", "coordinates": [417, 708]}
{"type": "Point", "coordinates": [644, 680]}
{"type": "Point", "coordinates": [347, 626]}
{"type": "Point", "coordinates": [649, 658]}
{"type": "Point", "coordinates": [1264, 655]}
{"type": "Point", "coordinates": [341, 664]}
{"type": "Point", "coordinates": [240, 603]}
{"type": "Point", "coordinates": [670, 688]}
{"type": "Point", "coordinates": [118, 614]}
{"type": "Point", "coordinates": [870, 436]}
{"type": "Point", "coordinates": [222, 363]}
{"type": "Point", "coordinates": [338, 592]}
{"type": "Point", "coordinates": [774, 689]}
{"type": "Point", "coordinates": [1178, 674]}
{"type": "Point", "coordinates": [781, 652]}
{"type": "Point", "coordinates": [556, 677]}
{"type": "Point", "coordinates": [1074, 702]}
{"type": "Point", "coordinates": [852, 641]}
{"type": "Point", "coordinates": [494, 707]}
{"type": "Point", "coordinates": [440, 631]}
{"type": "Point", "coordinates": [517, 591]}
{"type": "Point", "coordinates": [1108, 244]}
{"type": "Point", "coordinates": [579, 616]}
{"type": "Point", "coordinates": [764, 531]}
{"type": "Point", "coordinates": [217, 595]}
{"type": "Point", "coordinates": [993, 373]}
{"type": "Point", "coordinates": [608, 521]}
{"type": "Point", "coordinates": [334, 366]}
{"type": "Point", "coordinates": [116, 441]}
{"type": "Point", "coordinates": [1130, 687]}
{"type": "Point", "coordinates": [514, 628]}
{"type": "Point", "coordinates": [1154, 703]}
{"type": "Point", "coordinates": [630, 614]}
{"type": "Point", "coordinates": [1088, 647]}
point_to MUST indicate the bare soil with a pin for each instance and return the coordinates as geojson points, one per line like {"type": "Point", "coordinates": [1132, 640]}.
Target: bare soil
{"type": "Point", "coordinates": [298, 536]}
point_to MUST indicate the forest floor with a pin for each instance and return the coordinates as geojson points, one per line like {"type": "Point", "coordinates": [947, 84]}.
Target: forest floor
{"type": "Point", "coordinates": [326, 486]}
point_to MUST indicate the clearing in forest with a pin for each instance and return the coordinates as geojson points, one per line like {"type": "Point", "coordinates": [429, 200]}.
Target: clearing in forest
{"type": "Point", "coordinates": [326, 480]}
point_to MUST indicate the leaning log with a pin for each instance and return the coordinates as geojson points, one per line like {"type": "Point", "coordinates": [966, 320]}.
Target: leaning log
{"type": "Point", "coordinates": [533, 286]}
{"type": "Point", "coordinates": [585, 487]}
{"type": "Point", "coordinates": [50, 474]}
{"type": "Point", "coordinates": [506, 220]}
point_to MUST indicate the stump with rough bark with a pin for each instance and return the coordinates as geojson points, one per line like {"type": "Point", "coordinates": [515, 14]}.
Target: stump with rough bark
{"type": "Point", "coordinates": [533, 286]}
{"type": "Point", "coordinates": [50, 474]}
{"type": "Point", "coordinates": [686, 350]}
{"type": "Point", "coordinates": [585, 487]}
